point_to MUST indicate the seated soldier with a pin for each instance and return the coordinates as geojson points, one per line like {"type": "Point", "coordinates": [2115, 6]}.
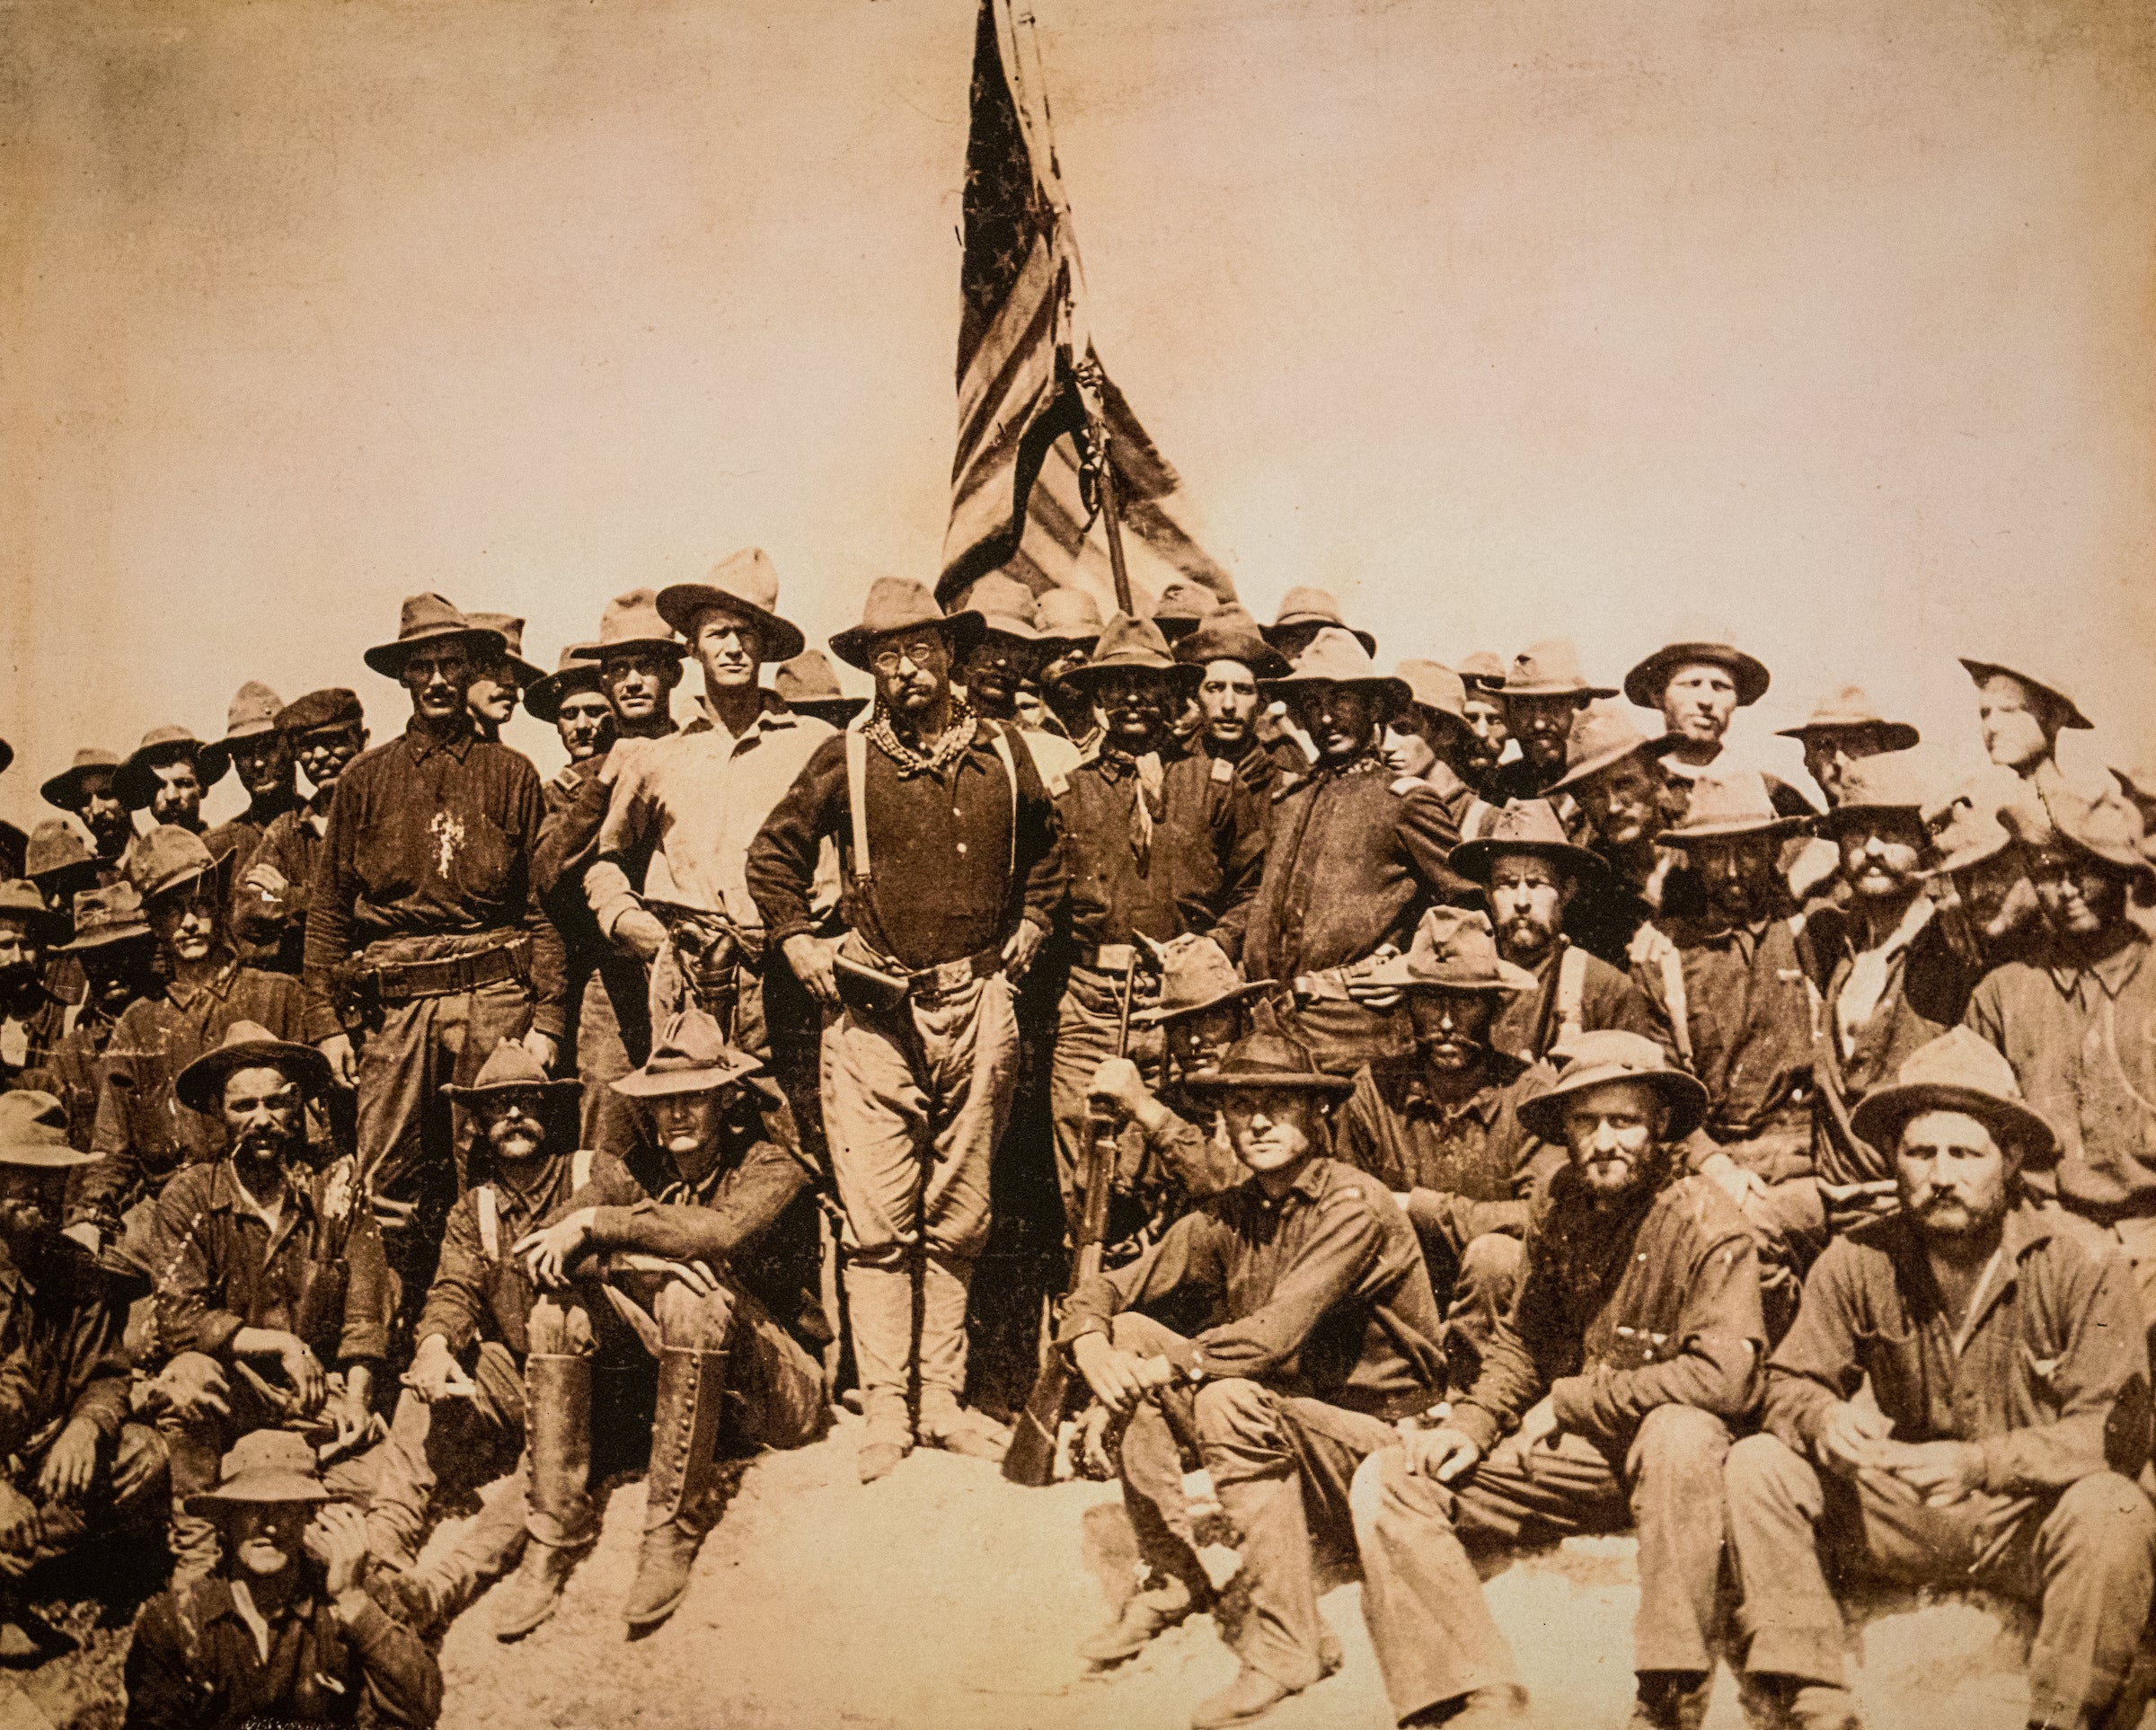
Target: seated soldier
{"type": "Point", "coordinates": [1441, 1129]}
{"type": "Point", "coordinates": [285, 1635]}
{"type": "Point", "coordinates": [116, 951]}
{"type": "Point", "coordinates": [2005, 1354]}
{"type": "Point", "coordinates": [1633, 1347]}
{"type": "Point", "coordinates": [717, 1276]}
{"type": "Point", "coordinates": [76, 1467]}
{"type": "Point", "coordinates": [461, 1418]}
{"type": "Point", "coordinates": [265, 1269]}
{"type": "Point", "coordinates": [1324, 1333]}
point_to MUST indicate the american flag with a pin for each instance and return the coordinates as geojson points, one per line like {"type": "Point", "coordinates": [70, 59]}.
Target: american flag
{"type": "Point", "coordinates": [1020, 500]}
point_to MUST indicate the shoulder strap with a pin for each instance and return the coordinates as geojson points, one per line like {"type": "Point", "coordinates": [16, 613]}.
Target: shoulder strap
{"type": "Point", "coordinates": [489, 1230]}
{"type": "Point", "coordinates": [580, 1169]}
{"type": "Point", "coordinates": [857, 804]}
{"type": "Point", "coordinates": [1571, 992]}
{"type": "Point", "coordinates": [1002, 737]}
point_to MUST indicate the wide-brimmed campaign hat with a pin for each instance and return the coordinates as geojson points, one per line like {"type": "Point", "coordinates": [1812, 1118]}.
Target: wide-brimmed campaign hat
{"type": "Point", "coordinates": [1005, 605]}
{"type": "Point", "coordinates": [896, 603]}
{"type": "Point", "coordinates": [1734, 804]}
{"type": "Point", "coordinates": [690, 1056]}
{"type": "Point", "coordinates": [264, 1466]}
{"type": "Point", "coordinates": [1959, 1070]}
{"type": "Point", "coordinates": [64, 789]}
{"type": "Point", "coordinates": [169, 858]}
{"type": "Point", "coordinates": [1604, 735]}
{"type": "Point", "coordinates": [20, 898]}
{"type": "Point", "coordinates": [33, 1133]}
{"type": "Point", "coordinates": [1337, 657]}
{"type": "Point", "coordinates": [2049, 683]}
{"type": "Point", "coordinates": [1848, 710]}
{"type": "Point", "coordinates": [1525, 826]}
{"type": "Point", "coordinates": [2108, 828]}
{"type": "Point", "coordinates": [1697, 642]}
{"type": "Point", "coordinates": [1434, 688]}
{"type": "Point", "coordinates": [509, 628]}
{"type": "Point", "coordinates": [808, 684]}
{"type": "Point", "coordinates": [1595, 1060]}
{"type": "Point", "coordinates": [1130, 645]}
{"type": "Point", "coordinates": [425, 619]}
{"type": "Point", "coordinates": [578, 671]}
{"type": "Point", "coordinates": [135, 782]}
{"type": "Point", "coordinates": [631, 620]}
{"type": "Point", "coordinates": [332, 709]}
{"type": "Point", "coordinates": [1302, 607]}
{"type": "Point", "coordinates": [106, 916]}
{"type": "Point", "coordinates": [61, 859]}
{"type": "Point", "coordinates": [1970, 826]}
{"type": "Point", "coordinates": [1230, 634]}
{"type": "Point", "coordinates": [744, 583]}
{"type": "Point", "coordinates": [1068, 616]}
{"type": "Point", "coordinates": [509, 1068]}
{"type": "Point", "coordinates": [252, 714]}
{"type": "Point", "coordinates": [1183, 606]}
{"type": "Point", "coordinates": [1550, 668]}
{"type": "Point", "coordinates": [1483, 670]}
{"type": "Point", "coordinates": [1878, 786]}
{"type": "Point", "coordinates": [1453, 949]}
{"type": "Point", "coordinates": [1267, 1060]}
{"type": "Point", "coordinates": [249, 1045]}
{"type": "Point", "coordinates": [1195, 977]}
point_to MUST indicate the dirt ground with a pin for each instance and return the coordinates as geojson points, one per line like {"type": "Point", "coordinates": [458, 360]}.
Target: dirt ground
{"type": "Point", "coordinates": [945, 1598]}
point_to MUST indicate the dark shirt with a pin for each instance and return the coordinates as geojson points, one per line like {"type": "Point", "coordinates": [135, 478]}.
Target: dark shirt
{"type": "Point", "coordinates": [1529, 1023]}
{"type": "Point", "coordinates": [217, 1269]}
{"type": "Point", "coordinates": [1656, 1303]}
{"type": "Point", "coordinates": [61, 1350]}
{"type": "Point", "coordinates": [479, 1296]}
{"type": "Point", "coordinates": [1322, 1293]}
{"type": "Point", "coordinates": [1207, 849]}
{"type": "Point", "coordinates": [947, 881]}
{"type": "Point", "coordinates": [1466, 1168]}
{"type": "Point", "coordinates": [2052, 1385]}
{"type": "Point", "coordinates": [274, 927]}
{"type": "Point", "coordinates": [143, 1132]}
{"type": "Point", "coordinates": [74, 1074]}
{"type": "Point", "coordinates": [242, 838]}
{"type": "Point", "coordinates": [577, 802]}
{"type": "Point", "coordinates": [194, 1665]}
{"type": "Point", "coordinates": [2082, 1042]}
{"type": "Point", "coordinates": [429, 839]}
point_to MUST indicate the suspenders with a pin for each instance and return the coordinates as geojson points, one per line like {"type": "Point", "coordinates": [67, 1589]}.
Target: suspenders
{"type": "Point", "coordinates": [490, 1223]}
{"type": "Point", "coordinates": [857, 805]}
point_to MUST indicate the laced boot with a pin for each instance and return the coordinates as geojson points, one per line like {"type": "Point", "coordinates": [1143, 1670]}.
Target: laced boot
{"type": "Point", "coordinates": [558, 1420]}
{"type": "Point", "coordinates": [1671, 1700]}
{"type": "Point", "coordinates": [677, 1489]}
{"type": "Point", "coordinates": [1165, 1601]}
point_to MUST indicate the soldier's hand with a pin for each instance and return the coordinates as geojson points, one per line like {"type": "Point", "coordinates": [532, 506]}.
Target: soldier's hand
{"type": "Point", "coordinates": [811, 959]}
{"type": "Point", "coordinates": [1540, 1425]}
{"type": "Point", "coordinates": [541, 1046]}
{"type": "Point", "coordinates": [336, 1538]}
{"type": "Point", "coordinates": [266, 880]}
{"type": "Point", "coordinates": [433, 1368]}
{"type": "Point", "coordinates": [1742, 1186]}
{"type": "Point", "coordinates": [1941, 1472]}
{"type": "Point", "coordinates": [1854, 1439]}
{"type": "Point", "coordinates": [1645, 952]}
{"type": "Point", "coordinates": [70, 1463]}
{"type": "Point", "coordinates": [1020, 948]}
{"type": "Point", "coordinates": [18, 1530]}
{"type": "Point", "coordinates": [547, 1254]}
{"type": "Point", "coordinates": [171, 1393]}
{"type": "Point", "coordinates": [344, 1063]}
{"type": "Point", "coordinates": [1117, 1083]}
{"type": "Point", "coordinates": [85, 1234]}
{"type": "Point", "coordinates": [303, 1373]}
{"type": "Point", "coordinates": [640, 933]}
{"type": "Point", "coordinates": [1444, 1453]}
{"type": "Point", "coordinates": [1118, 1378]}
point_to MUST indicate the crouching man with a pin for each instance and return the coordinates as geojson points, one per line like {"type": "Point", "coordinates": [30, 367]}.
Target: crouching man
{"type": "Point", "coordinates": [287, 1633]}
{"type": "Point", "coordinates": [76, 1468]}
{"type": "Point", "coordinates": [717, 1276]}
{"type": "Point", "coordinates": [460, 1419]}
{"type": "Point", "coordinates": [1634, 1343]}
{"type": "Point", "coordinates": [2006, 1353]}
{"type": "Point", "coordinates": [1325, 1333]}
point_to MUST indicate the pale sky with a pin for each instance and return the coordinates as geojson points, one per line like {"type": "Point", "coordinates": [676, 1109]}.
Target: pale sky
{"type": "Point", "coordinates": [1503, 320]}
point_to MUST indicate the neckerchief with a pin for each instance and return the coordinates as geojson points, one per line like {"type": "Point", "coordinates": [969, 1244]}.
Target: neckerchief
{"type": "Point", "coordinates": [947, 750]}
{"type": "Point", "coordinates": [1146, 779]}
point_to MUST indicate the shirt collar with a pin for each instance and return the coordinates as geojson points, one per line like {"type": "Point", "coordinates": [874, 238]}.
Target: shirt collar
{"type": "Point", "coordinates": [225, 1198]}
{"type": "Point", "coordinates": [421, 743]}
{"type": "Point", "coordinates": [218, 984]}
{"type": "Point", "coordinates": [2116, 971]}
{"type": "Point", "coordinates": [771, 711]}
{"type": "Point", "coordinates": [1482, 1105]}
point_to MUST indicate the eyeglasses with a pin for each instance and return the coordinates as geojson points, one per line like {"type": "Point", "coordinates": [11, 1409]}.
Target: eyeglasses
{"type": "Point", "coordinates": [922, 651]}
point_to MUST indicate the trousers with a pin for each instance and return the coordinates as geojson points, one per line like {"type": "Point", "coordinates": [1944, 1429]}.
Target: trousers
{"type": "Point", "coordinates": [2082, 1556]}
{"type": "Point", "coordinates": [1085, 1039]}
{"type": "Point", "coordinates": [1434, 1636]}
{"type": "Point", "coordinates": [124, 1491]}
{"type": "Point", "coordinates": [461, 1442]}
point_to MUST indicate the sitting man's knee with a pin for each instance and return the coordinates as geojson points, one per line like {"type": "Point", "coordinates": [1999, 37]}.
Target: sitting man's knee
{"type": "Point", "coordinates": [1235, 1410]}
{"type": "Point", "coordinates": [559, 1327]}
{"type": "Point", "coordinates": [2111, 1508]}
{"type": "Point", "coordinates": [698, 1320]}
{"type": "Point", "coordinates": [1489, 1267]}
{"type": "Point", "coordinates": [1764, 1466]}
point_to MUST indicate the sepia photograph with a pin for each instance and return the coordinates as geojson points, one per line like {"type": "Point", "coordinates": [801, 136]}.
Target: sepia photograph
{"type": "Point", "coordinates": [1078, 864]}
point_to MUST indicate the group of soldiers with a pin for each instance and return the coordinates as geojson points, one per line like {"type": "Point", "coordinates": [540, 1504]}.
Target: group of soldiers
{"type": "Point", "coordinates": [1488, 1122]}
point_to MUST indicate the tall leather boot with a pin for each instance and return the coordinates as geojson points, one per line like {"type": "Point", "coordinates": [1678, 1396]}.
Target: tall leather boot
{"type": "Point", "coordinates": [879, 1304]}
{"type": "Point", "coordinates": [677, 1489]}
{"type": "Point", "coordinates": [557, 1403]}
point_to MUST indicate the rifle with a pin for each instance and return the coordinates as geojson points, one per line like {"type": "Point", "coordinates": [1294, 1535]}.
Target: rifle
{"type": "Point", "coordinates": [1030, 1459]}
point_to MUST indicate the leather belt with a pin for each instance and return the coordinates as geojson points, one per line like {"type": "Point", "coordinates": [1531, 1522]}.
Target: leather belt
{"type": "Point", "coordinates": [1104, 958]}
{"type": "Point", "coordinates": [948, 978]}
{"type": "Point", "coordinates": [450, 975]}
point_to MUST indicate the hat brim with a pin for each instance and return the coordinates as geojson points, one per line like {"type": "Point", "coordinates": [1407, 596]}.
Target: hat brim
{"type": "Point", "coordinates": [219, 866]}
{"type": "Point", "coordinates": [1644, 684]}
{"type": "Point", "coordinates": [1880, 1114]}
{"type": "Point", "coordinates": [258, 1487]}
{"type": "Point", "coordinates": [1279, 628]}
{"type": "Point", "coordinates": [1005, 624]}
{"type": "Point", "coordinates": [1295, 683]}
{"type": "Point", "coordinates": [1779, 827]}
{"type": "Point", "coordinates": [40, 1157]}
{"type": "Point", "coordinates": [1159, 1015]}
{"type": "Point", "coordinates": [200, 1083]}
{"type": "Point", "coordinates": [219, 752]}
{"type": "Point", "coordinates": [1544, 1115]}
{"type": "Point", "coordinates": [1968, 858]}
{"type": "Point", "coordinates": [1087, 674]}
{"type": "Point", "coordinates": [1242, 1081]}
{"type": "Point", "coordinates": [643, 1084]}
{"type": "Point", "coordinates": [1066, 638]}
{"type": "Point", "coordinates": [1268, 664]}
{"type": "Point", "coordinates": [1405, 973]}
{"type": "Point", "coordinates": [596, 653]}
{"type": "Point", "coordinates": [1894, 735]}
{"type": "Point", "coordinates": [388, 658]}
{"type": "Point", "coordinates": [66, 880]}
{"type": "Point", "coordinates": [111, 938]}
{"type": "Point", "coordinates": [1830, 823]}
{"type": "Point", "coordinates": [136, 785]}
{"type": "Point", "coordinates": [2069, 709]}
{"type": "Point", "coordinates": [552, 1088]}
{"type": "Point", "coordinates": [1661, 745]}
{"type": "Point", "coordinates": [64, 791]}
{"type": "Point", "coordinates": [1473, 859]}
{"type": "Point", "coordinates": [543, 699]}
{"type": "Point", "coordinates": [855, 645]}
{"type": "Point", "coordinates": [679, 604]}
{"type": "Point", "coordinates": [2123, 859]}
